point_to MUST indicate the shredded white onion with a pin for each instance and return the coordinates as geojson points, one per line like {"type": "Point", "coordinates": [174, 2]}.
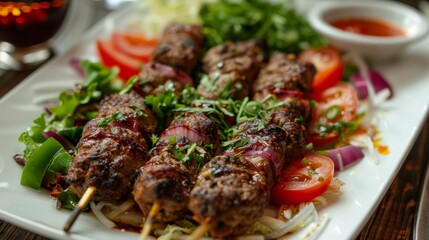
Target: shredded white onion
{"type": "Point", "coordinates": [299, 220]}
{"type": "Point", "coordinates": [96, 209]}
{"type": "Point", "coordinates": [321, 199]}
{"type": "Point", "coordinates": [365, 141]}
{"type": "Point", "coordinates": [272, 222]}
{"type": "Point", "coordinates": [313, 230]}
{"type": "Point", "coordinates": [287, 214]}
{"type": "Point", "coordinates": [121, 208]}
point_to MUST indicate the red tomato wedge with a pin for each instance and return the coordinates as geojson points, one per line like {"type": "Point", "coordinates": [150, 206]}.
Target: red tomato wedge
{"type": "Point", "coordinates": [127, 51]}
{"type": "Point", "coordinates": [335, 111]}
{"type": "Point", "coordinates": [303, 180]}
{"type": "Point", "coordinates": [134, 45]}
{"type": "Point", "coordinates": [329, 65]}
{"type": "Point", "coordinates": [111, 57]}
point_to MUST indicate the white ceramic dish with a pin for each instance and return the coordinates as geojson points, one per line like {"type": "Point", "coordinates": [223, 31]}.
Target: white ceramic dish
{"type": "Point", "coordinates": [375, 48]}
{"type": "Point", "coordinates": [365, 186]}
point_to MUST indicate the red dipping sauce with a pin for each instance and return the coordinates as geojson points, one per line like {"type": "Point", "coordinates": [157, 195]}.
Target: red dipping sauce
{"type": "Point", "coordinates": [370, 27]}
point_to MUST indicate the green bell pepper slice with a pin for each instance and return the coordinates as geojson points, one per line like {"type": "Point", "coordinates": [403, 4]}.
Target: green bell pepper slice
{"type": "Point", "coordinates": [38, 162]}
{"type": "Point", "coordinates": [61, 162]}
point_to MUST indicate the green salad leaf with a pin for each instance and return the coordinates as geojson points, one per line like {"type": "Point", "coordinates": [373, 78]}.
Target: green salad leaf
{"type": "Point", "coordinates": [276, 22]}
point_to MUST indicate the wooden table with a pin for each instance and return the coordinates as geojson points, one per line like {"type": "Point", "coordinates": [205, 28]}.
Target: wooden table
{"type": "Point", "coordinates": [393, 219]}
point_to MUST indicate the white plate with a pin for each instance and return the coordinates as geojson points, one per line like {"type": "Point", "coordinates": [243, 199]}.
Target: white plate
{"type": "Point", "coordinates": [401, 121]}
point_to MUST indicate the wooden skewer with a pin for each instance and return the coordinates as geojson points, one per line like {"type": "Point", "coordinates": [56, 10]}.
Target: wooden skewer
{"type": "Point", "coordinates": [149, 221]}
{"type": "Point", "coordinates": [83, 202]}
{"type": "Point", "coordinates": [200, 230]}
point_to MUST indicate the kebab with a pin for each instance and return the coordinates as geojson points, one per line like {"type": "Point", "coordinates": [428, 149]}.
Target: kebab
{"type": "Point", "coordinates": [166, 179]}
{"type": "Point", "coordinates": [112, 147]}
{"type": "Point", "coordinates": [231, 68]}
{"type": "Point", "coordinates": [163, 186]}
{"type": "Point", "coordinates": [173, 60]}
{"type": "Point", "coordinates": [94, 162]}
{"type": "Point", "coordinates": [165, 169]}
{"type": "Point", "coordinates": [232, 190]}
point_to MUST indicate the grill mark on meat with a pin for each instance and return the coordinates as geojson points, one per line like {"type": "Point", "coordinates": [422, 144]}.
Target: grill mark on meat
{"type": "Point", "coordinates": [290, 121]}
{"type": "Point", "coordinates": [286, 73]}
{"type": "Point", "coordinates": [167, 180]}
{"type": "Point", "coordinates": [108, 156]}
{"type": "Point", "coordinates": [180, 47]}
{"type": "Point", "coordinates": [231, 67]}
{"type": "Point", "coordinates": [232, 190]}
{"type": "Point", "coordinates": [233, 198]}
{"type": "Point", "coordinates": [157, 78]}
{"type": "Point", "coordinates": [131, 106]}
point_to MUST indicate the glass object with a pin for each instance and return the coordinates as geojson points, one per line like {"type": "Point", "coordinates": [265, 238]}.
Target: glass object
{"type": "Point", "coordinates": [25, 29]}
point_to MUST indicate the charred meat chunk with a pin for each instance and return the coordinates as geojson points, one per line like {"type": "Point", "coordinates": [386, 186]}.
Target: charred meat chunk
{"type": "Point", "coordinates": [107, 157]}
{"type": "Point", "coordinates": [132, 111]}
{"type": "Point", "coordinates": [231, 69]}
{"type": "Point", "coordinates": [265, 140]}
{"type": "Point", "coordinates": [296, 135]}
{"type": "Point", "coordinates": [167, 181]}
{"type": "Point", "coordinates": [230, 194]}
{"type": "Point", "coordinates": [285, 73]}
{"type": "Point", "coordinates": [168, 177]}
{"type": "Point", "coordinates": [224, 85]}
{"type": "Point", "coordinates": [244, 58]}
{"type": "Point", "coordinates": [112, 148]}
{"type": "Point", "coordinates": [180, 47]}
{"type": "Point", "coordinates": [157, 78]}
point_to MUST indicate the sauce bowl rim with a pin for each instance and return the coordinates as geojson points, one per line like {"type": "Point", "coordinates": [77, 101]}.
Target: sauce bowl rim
{"type": "Point", "coordinates": [317, 17]}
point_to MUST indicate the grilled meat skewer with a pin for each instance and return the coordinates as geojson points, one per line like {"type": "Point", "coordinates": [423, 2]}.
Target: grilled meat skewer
{"type": "Point", "coordinates": [111, 150]}
{"type": "Point", "coordinates": [232, 190]}
{"type": "Point", "coordinates": [166, 179]}
{"type": "Point", "coordinates": [285, 73]}
{"type": "Point", "coordinates": [230, 67]}
{"type": "Point", "coordinates": [173, 60]}
{"type": "Point", "coordinates": [288, 80]}
{"type": "Point", "coordinates": [180, 47]}
{"type": "Point", "coordinates": [157, 78]}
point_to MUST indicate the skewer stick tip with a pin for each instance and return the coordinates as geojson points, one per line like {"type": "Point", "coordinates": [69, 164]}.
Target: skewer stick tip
{"type": "Point", "coordinates": [83, 202]}
{"type": "Point", "coordinates": [149, 221]}
{"type": "Point", "coordinates": [200, 230]}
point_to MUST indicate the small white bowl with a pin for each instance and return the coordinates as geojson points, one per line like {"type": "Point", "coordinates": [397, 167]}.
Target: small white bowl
{"type": "Point", "coordinates": [414, 24]}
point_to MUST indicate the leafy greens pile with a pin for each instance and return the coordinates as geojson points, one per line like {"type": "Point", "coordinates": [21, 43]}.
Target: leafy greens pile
{"type": "Point", "coordinates": [273, 21]}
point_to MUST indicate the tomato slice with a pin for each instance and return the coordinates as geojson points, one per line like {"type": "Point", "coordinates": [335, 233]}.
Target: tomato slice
{"type": "Point", "coordinates": [111, 57]}
{"type": "Point", "coordinates": [303, 180]}
{"type": "Point", "coordinates": [334, 114]}
{"type": "Point", "coordinates": [134, 45]}
{"type": "Point", "coordinates": [329, 65]}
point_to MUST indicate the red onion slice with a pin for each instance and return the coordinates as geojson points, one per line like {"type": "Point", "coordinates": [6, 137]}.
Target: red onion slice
{"type": "Point", "coordinates": [67, 145]}
{"type": "Point", "coordinates": [378, 81]}
{"type": "Point", "coordinates": [269, 155]}
{"type": "Point", "coordinates": [261, 150]}
{"type": "Point", "coordinates": [343, 157]}
{"type": "Point", "coordinates": [184, 131]}
{"type": "Point", "coordinates": [170, 72]}
{"type": "Point", "coordinates": [130, 124]}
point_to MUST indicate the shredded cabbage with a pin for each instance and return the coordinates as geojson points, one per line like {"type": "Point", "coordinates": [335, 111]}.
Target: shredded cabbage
{"type": "Point", "coordinates": [96, 209]}
{"type": "Point", "coordinates": [171, 232]}
{"type": "Point", "coordinates": [161, 13]}
{"type": "Point", "coordinates": [313, 230]}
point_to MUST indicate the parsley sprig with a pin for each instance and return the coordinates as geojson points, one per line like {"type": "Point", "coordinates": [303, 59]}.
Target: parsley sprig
{"type": "Point", "coordinates": [275, 21]}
